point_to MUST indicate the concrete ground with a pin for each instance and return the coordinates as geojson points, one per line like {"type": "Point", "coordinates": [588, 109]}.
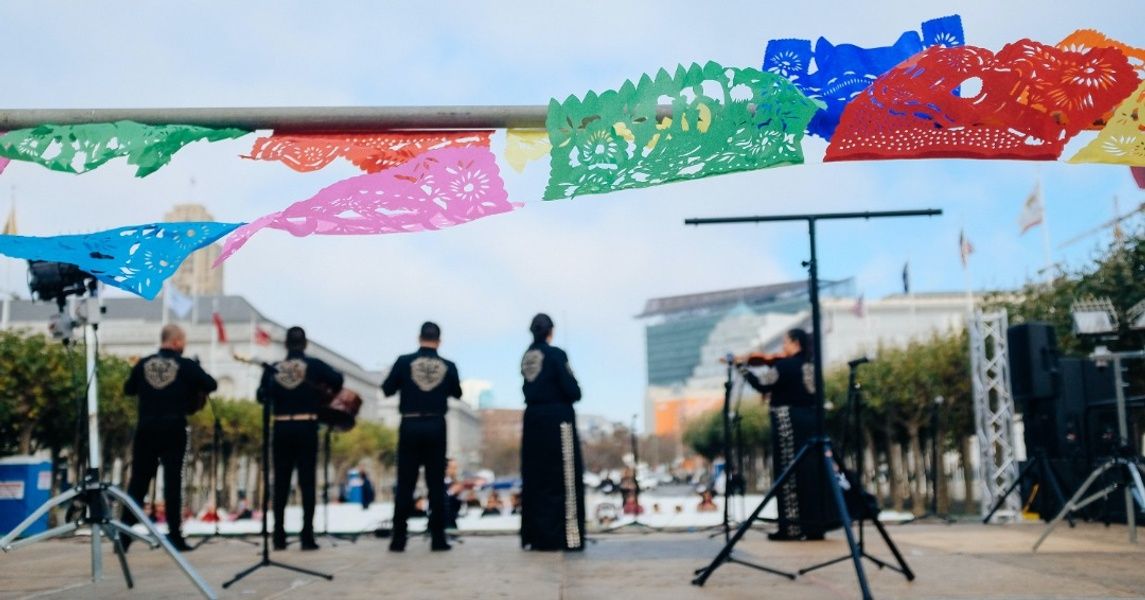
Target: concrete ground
{"type": "Point", "coordinates": [964, 560]}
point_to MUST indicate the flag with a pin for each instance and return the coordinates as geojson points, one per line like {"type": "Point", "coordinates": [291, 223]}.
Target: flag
{"type": "Point", "coordinates": [10, 222]}
{"type": "Point", "coordinates": [859, 310]}
{"type": "Point", "coordinates": [261, 336]}
{"type": "Point", "coordinates": [965, 249]}
{"type": "Point", "coordinates": [1139, 176]}
{"type": "Point", "coordinates": [179, 303]}
{"type": "Point", "coordinates": [1033, 212]}
{"type": "Point", "coordinates": [220, 330]}
{"type": "Point", "coordinates": [906, 278]}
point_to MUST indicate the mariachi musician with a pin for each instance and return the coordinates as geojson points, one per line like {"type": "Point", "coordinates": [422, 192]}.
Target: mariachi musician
{"type": "Point", "coordinates": [790, 383]}
{"type": "Point", "coordinates": [169, 388]}
{"type": "Point", "coordinates": [297, 387]}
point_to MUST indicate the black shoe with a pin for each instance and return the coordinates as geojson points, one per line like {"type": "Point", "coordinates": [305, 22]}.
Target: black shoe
{"type": "Point", "coordinates": [279, 541]}
{"type": "Point", "coordinates": [125, 541]}
{"type": "Point", "coordinates": [309, 544]}
{"type": "Point", "coordinates": [814, 537]}
{"type": "Point", "coordinates": [179, 543]}
{"type": "Point", "coordinates": [398, 544]}
{"type": "Point", "coordinates": [780, 536]}
{"type": "Point", "coordinates": [440, 547]}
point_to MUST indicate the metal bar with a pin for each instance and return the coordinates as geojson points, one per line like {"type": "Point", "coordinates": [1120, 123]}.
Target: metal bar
{"type": "Point", "coordinates": [129, 503]}
{"type": "Point", "coordinates": [332, 119]}
{"type": "Point", "coordinates": [819, 216]}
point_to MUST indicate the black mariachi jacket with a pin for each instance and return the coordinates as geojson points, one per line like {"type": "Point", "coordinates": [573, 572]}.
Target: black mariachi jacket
{"type": "Point", "coordinates": [297, 384]}
{"type": "Point", "coordinates": [167, 384]}
{"type": "Point", "coordinates": [548, 377]}
{"type": "Point", "coordinates": [426, 382]}
{"type": "Point", "coordinates": [790, 381]}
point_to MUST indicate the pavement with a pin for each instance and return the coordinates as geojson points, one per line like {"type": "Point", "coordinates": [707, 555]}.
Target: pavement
{"type": "Point", "coordinates": [963, 560]}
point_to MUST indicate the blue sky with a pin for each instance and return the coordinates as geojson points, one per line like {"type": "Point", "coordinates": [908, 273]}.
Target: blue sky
{"type": "Point", "coordinates": [590, 262]}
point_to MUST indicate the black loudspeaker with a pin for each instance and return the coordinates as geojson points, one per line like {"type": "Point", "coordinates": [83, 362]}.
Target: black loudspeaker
{"type": "Point", "coordinates": [1056, 425]}
{"type": "Point", "coordinates": [1033, 349]}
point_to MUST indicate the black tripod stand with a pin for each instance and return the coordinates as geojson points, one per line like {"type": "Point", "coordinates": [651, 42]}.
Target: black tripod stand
{"type": "Point", "coordinates": [216, 451]}
{"type": "Point", "coordinates": [734, 481]}
{"type": "Point", "coordinates": [818, 447]}
{"type": "Point", "coordinates": [855, 400]}
{"type": "Point", "coordinates": [635, 522]}
{"type": "Point", "coordinates": [729, 482]}
{"type": "Point", "coordinates": [352, 537]}
{"type": "Point", "coordinates": [1040, 469]}
{"type": "Point", "coordinates": [94, 496]}
{"type": "Point", "coordinates": [267, 409]}
{"type": "Point", "coordinates": [1127, 462]}
{"type": "Point", "coordinates": [935, 456]}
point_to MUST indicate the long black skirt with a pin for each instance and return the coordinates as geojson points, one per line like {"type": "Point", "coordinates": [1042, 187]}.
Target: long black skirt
{"type": "Point", "coordinates": [805, 505]}
{"type": "Point", "coordinates": [552, 483]}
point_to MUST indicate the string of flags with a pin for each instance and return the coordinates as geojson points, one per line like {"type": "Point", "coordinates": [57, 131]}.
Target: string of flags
{"type": "Point", "coordinates": [929, 94]}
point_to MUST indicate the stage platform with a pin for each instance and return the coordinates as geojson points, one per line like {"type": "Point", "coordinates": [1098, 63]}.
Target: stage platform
{"type": "Point", "coordinates": [964, 560]}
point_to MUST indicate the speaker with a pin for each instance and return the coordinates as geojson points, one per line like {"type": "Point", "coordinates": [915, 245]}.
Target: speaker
{"type": "Point", "coordinates": [1056, 425]}
{"type": "Point", "coordinates": [1033, 357]}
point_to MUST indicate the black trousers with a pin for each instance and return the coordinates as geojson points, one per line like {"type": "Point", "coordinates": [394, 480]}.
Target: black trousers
{"type": "Point", "coordinates": [421, 442]}
{"type": "Point", "coordinates": [295, 447]}
{"type": "Point", "coordinates": [159, 440]}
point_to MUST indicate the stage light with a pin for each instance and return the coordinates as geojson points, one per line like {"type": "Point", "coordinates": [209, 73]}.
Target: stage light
{"type": "Point", "coordinates": [1136, 315]}
{"type": "Point", "coordinates": [48, 281]}
{"type": "Point", "coordinates": [1094, 316]}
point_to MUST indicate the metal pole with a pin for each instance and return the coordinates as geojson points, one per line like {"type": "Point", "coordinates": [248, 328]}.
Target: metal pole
{"type": "Point", "coordinates": [817, 337]}
{"type": "Point", "coordinates": [1123, 444]}
{"type": "Point", "coordinates": [930, 212]}
{"type": "Point", "coordinates": [94, 457]}
{"type": "Point", "coordinates": [326, 119]}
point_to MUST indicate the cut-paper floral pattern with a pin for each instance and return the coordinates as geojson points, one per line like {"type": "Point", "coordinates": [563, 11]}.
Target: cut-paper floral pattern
{"type": "Point", "coordinates": [138, 258]}
{"type": "Point", "coordinates": [370, 152]}
{"type": "Point", "coordinates": [714, 120]}
{"type": "Point", "coordinates": [437, 189]}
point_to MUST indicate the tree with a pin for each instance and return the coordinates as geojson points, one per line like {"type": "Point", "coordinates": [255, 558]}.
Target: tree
{"type": "Point", "coordinates": [1117, 274]}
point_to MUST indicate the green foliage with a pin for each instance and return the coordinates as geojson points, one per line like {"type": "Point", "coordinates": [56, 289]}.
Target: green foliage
{"type": "Point", "coordinates": [705, 434]}
{"type": "Point", "coordinates": [43, 395]}
{"type": "Point", "coordinates": [367, 440]}
{"type": "Point", "coordinates": [1117, 274]}
{"type": "Point", "coordinates": [899, 386]}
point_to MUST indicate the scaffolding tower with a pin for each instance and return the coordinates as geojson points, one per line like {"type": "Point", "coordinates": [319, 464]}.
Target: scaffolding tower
{"type": "Point", "coordinates": [993, 412]}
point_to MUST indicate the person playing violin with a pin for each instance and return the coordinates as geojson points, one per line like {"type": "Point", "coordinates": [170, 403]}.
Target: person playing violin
{"type": "Point", "coordinates": [790, 383]}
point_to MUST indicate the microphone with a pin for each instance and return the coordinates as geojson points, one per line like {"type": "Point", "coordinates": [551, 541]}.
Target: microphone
{"type": "Point", "coordinates": [858, 361]}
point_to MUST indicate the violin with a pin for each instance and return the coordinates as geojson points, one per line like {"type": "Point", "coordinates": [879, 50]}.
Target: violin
{"type": "Point", "coordinates": [757, 359]}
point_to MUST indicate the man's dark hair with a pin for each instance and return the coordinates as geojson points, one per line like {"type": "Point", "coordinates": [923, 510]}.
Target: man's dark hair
{"type": "Point", "coordinates": [430, 332]}
{"type": "Point", "coordinates": [296, 338]}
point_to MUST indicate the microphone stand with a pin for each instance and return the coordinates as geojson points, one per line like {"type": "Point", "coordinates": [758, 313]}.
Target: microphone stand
{"type": "Point", "coordinates": [855, 398]}
{"type": "Point", "coordinates": [267, 402]}
{"type": "Point", "coordinates": [743, 525]}
{"type": "Point", "coordinates": [635, 522]}
{"type": "Point", "coordinates": [216, 451]}
{"type": "Point", "coordinates": [352, 537]}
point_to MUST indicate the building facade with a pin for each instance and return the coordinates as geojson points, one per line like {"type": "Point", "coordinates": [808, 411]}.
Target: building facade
{"type": "Point", "coordinates": [196, 276]}
{"type": "Point", "coordinates": [130, 328]}
{"type": "Point", "coordinates": [686, 336]}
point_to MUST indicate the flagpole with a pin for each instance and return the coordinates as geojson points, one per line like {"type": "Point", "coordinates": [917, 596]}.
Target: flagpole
{"type": "Point", "coordinates": [214, 335]}
{"type": "Point", "coordinates": [250, 352]}
{"type": "Point", "coordinates": [1045, 234]}
{"type": "Point", "coordinates": [910, 300]}
{"type": "Point", "coordinates": [8, 289]}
